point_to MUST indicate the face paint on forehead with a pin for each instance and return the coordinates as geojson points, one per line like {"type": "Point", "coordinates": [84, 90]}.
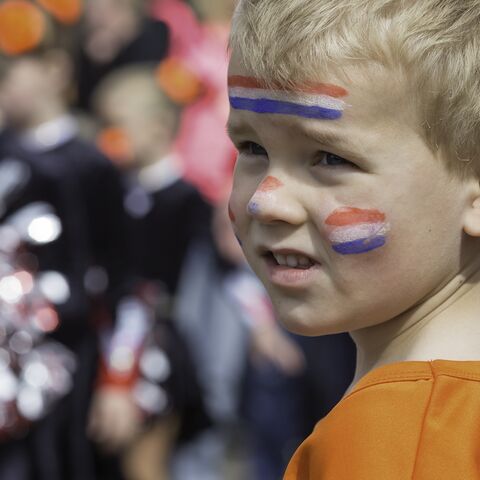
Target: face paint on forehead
{"type": "Point", "coordinates": [316, 101]}
{"type": "Point", "coordinates": [354, 230]}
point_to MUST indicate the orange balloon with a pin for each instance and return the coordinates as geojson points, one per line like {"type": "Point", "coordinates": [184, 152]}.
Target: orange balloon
{"type": "Point", "coordinates": [178, 82]}
{"type": "Point", "coordinates": [22, 27]}
{"type": "Point", "coordinates": [65, 11]}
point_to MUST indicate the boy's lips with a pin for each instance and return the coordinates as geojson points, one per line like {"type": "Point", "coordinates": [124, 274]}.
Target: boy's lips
{"type": "Point", "coordinates": [289, 268]}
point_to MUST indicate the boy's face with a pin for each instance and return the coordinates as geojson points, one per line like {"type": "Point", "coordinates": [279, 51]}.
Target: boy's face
{"type": "Point", "coordinates": [342, 210]}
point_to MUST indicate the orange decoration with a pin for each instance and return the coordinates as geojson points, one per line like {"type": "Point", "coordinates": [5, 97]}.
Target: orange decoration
{"type": "Point", "coordinates": [22, 27]}
{"type": "Point", "coordinates": [65, 11]}
{"type": "Point", "coordinates": [116, 145]}
{"type": "Point", "coordinates": [178, 82]}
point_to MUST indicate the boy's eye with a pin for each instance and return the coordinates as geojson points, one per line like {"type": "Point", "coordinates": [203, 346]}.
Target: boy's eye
{"type": "Point", "coordinates": [332, 160]}
{"type": "Point", "coordinates": [252, 148]}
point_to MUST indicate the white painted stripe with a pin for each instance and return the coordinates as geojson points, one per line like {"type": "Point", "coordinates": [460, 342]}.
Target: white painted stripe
{"type": "Point", "coordinates": [357, 232]}
{"type": "Point", "coordinates": [313, 100]}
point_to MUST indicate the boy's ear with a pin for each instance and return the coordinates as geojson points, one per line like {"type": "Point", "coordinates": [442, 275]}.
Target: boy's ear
{"type": "Point", "coordinates": [471, 224]}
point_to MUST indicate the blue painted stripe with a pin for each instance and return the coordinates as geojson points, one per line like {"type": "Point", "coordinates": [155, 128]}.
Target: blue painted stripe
{"type": "Point", "coordinates": [362, 245]}
{"type": "Point", "coordinates": [266, 105]}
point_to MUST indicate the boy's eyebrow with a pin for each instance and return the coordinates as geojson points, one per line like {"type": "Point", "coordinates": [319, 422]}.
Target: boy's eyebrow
{"type": "Point", "coordinates": [323, 137]}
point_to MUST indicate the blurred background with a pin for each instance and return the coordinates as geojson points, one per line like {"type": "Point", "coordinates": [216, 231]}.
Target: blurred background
{"type": "Point", "coordinates": [135, 342]}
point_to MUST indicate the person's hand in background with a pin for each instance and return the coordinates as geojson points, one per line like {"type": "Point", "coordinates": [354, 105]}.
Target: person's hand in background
{"type": "Point", "coordinates": [114, 420]}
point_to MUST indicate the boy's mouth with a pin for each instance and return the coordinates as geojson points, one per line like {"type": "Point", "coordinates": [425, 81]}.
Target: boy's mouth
{"type": "Point", "coordinates": [290, 260]}
{"type": "Point", "coordinates": [289, 268]}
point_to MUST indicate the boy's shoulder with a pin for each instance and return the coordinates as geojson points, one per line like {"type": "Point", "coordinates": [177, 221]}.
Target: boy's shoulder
{"type": "Point", "coordinates": [401, 421]}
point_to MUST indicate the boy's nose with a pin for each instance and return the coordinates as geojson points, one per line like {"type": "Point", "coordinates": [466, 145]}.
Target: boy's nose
{"type": "Point", "coordinates": [273, 202]}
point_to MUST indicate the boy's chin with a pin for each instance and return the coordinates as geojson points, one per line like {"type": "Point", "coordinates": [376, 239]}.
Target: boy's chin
{"type": "Point", "coordinates": [304, 321]}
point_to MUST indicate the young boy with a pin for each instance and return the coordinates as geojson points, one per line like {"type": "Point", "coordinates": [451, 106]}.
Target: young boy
{"type": "Point", "coordinates": [357, 202]}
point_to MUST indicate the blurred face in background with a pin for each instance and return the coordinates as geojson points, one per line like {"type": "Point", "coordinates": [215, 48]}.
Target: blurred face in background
{"type": "Point", "coordinates": [32, 88]}
{"type": "Point", "coordinates": [110, 25]}
{"type": "Point", "coordinates": [134, 104]}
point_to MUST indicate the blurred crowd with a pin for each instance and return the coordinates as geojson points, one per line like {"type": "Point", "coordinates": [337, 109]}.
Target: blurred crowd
{"type": "Point", "coordinates": [135, 342]}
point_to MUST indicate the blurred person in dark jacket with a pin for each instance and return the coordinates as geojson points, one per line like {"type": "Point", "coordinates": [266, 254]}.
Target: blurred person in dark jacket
{"type": "Point", "coordinates": [165, 216]}
{"type": "Point", "coordinates": [90, 253]}
{"type": "Point", "coordinates": [21, 185]}
{"type": "Point", "coordinates": [165, 212]}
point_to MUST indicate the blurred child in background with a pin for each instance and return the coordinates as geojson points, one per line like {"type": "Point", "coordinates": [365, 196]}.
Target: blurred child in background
{"type": "Point", "coordinates": [35, 91]}
{"type": "Point", "coordinates": [166, 215]}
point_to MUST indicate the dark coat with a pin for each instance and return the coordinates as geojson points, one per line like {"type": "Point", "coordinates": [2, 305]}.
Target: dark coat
{"type": "Point", "coordinates": [86, 193]}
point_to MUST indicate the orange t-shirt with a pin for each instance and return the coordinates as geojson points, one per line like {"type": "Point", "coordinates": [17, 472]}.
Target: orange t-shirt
{"type": "Point", "coordinates": [409, 420]}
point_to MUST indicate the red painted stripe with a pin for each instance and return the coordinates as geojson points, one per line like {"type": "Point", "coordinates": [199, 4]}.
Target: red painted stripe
{"type": "Point", "coordinates": [270, 184]}
{"type": "Point", "coordinates": [315, 88]}
{"type": "Point", "coordinates": [351, 216]}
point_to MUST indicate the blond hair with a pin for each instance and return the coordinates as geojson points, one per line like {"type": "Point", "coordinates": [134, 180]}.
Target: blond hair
{"type": "Point", "coordinates": [435, 43]}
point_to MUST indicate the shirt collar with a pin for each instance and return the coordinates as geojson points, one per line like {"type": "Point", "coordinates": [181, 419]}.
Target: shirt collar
{"type": "Point", "coordinates": [51, 134]}
{"type": "Point", "coordinates": [160, 174]}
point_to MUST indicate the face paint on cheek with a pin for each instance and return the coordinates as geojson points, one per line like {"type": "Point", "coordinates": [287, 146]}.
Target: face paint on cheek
{"type": "Point", "coordinates": [268, 185]}
{"type": "Point", "coordinates": [353, 230]}
{"type": "Point", "coordinates": [317, 101]}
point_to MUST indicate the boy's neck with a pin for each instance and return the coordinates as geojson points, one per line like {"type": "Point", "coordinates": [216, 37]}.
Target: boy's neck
{"type": "Point", "coordinates": [444, 326]}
